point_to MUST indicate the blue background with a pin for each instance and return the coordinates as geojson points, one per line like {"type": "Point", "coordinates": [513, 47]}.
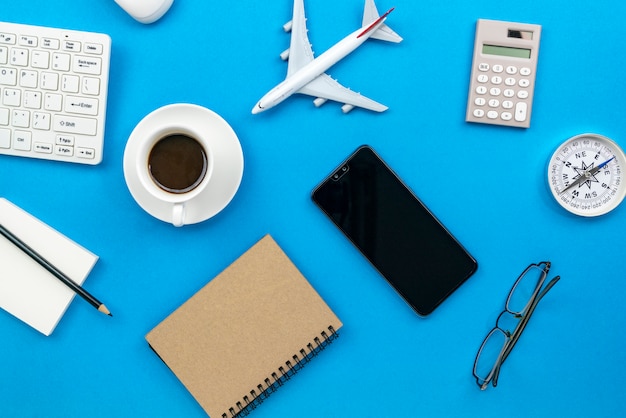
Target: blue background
{"type": "Point", "coordinates": [486, 184]}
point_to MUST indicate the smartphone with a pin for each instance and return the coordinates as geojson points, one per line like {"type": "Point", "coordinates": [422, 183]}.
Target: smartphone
{"type": "Point", "coordinates": [394, 230]}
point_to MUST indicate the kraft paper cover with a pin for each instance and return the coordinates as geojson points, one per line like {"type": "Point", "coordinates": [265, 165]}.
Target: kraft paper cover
{"type": "Point", "coordinates": [241, 327]}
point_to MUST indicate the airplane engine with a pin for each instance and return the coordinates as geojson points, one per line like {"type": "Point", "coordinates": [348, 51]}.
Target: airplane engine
{"type": "Point", "coordinates": [319, 101]}
{"type": "Point", "coordinates": [346, 108]}
{"type": "Point", "coordinates": [284, 55]}
{"type": "Point", "coordinates": [287, 26]}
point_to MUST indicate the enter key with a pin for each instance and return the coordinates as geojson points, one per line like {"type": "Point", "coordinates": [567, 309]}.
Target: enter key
{"type": "Point", "coordinates": [81, 105]}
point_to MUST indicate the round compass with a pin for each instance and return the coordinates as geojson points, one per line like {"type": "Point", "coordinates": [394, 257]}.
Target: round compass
{"type": "Point", "coordinates": [585, 175]}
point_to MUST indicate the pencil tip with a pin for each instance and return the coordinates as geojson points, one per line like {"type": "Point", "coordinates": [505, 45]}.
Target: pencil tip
{"type": "Point", "coordinates": [104, 310]}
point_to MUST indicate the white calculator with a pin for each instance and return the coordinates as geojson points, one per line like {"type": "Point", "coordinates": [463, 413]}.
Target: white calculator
{"type": "Point", "coordinates": [503, 73]}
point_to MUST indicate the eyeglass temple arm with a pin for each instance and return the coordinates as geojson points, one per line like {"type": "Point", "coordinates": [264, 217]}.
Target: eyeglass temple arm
{"type": "Point", "coordinates": [518, 332]}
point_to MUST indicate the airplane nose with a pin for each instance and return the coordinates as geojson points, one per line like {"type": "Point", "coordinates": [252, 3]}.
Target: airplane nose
{"type": "Point", "coordinates": [257, 109]}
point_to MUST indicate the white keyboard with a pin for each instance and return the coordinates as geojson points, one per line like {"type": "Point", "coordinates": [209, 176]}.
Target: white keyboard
{"type": "Point", "coordinates": [53, 93]}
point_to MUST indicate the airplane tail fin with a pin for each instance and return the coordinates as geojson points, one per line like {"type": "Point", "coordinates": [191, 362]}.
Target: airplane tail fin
{"type": "Point", "coordinates": [384, 32]}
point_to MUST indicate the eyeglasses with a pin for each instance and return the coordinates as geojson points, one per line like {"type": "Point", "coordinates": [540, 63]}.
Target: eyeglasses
{"type": "Point", "coordinates": [520, 305]}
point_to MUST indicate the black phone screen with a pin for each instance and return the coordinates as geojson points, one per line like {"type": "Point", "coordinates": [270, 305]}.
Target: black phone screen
{"type": "Point", "coordinates": [391, 227]}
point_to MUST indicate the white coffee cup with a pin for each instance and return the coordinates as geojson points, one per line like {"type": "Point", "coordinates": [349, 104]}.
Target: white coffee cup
{"type": "Point", "coordinates": [171, 181]}
{"type": "Point", "coordinates": [205, 191]}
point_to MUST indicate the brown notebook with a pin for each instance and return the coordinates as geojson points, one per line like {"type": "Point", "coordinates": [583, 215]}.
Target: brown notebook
{"type": "Point", "coordinates": [246, 332]}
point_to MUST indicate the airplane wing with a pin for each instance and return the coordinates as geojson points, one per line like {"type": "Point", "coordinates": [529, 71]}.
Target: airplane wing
{"type": "Point", "coordinates": [300, 52]}
{"type": "Point", "coordinates": [327, 88]}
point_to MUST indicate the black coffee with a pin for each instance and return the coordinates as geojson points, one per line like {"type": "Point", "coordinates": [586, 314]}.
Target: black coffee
{"type": "Point", "coordinates": [177, 163]}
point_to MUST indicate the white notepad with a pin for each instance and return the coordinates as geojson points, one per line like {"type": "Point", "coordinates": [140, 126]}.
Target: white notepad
{"type": "Point", "coordinates": [27, 290]}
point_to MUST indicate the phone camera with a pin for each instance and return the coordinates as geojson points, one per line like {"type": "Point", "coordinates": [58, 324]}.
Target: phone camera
{"type": "Point", "coordinates": [339, 173]}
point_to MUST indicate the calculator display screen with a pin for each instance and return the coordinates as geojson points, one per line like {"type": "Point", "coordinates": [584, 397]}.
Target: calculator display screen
{"type": "Point", "coordinates": [506, 51]}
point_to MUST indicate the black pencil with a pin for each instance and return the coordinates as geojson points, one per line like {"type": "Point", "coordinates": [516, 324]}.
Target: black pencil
{"type": "Point", "coordinates": [54, 271]}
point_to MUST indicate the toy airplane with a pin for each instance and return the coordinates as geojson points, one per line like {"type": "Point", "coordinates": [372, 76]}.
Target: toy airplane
{"type": "Point", "coordinates": [306, 74]}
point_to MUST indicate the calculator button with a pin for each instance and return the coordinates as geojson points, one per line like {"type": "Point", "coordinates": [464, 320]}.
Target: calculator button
{"type": "Point", "coordinates": [481, 90]}
{"type": "Point", "coordinates": [498, 68]}
{"type": "Point", "coordinates": [521, 110]}
{"type": "Point", "coordinates": [496, 79]}
{"type": "Point", "coordinates": [524, 82]}
{"type": "Point", "coordinates": [479, 101]}
{"type": "Point", "coordinates": [525, 71]}
{"type": "Point", "coordinates": [507, 116]}
{"type": "Point", "coordinates": [511, 70]}
{"type": "Point", "coordinates": [479, 113]}
{"type": "Point", "coordinates": [494, 103]}
{"type": "Point", "coordinates": [483, 66]}
{"type": "Point", "coordinates": [492, 114]}
{"type": "Point", "coordinates": [522, 94]}
{"type": "Point", "coordinates": [509, 93]}
{"type": "Point", "coordinates": [494, 91]}
{"type": "Point", "coordinates": [507, 104]}
{"type": "Point", "coordinates": [482, 78]}
{"type": "Point", "coordinates": [510, 81]}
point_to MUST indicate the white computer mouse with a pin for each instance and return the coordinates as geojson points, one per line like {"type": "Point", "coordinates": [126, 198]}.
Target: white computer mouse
{"type": "Point", "coordinates": [145, 11]}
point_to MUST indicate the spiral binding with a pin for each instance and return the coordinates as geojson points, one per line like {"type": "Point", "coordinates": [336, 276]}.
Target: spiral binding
{"type": "Point", "coordinates": [270, 385]}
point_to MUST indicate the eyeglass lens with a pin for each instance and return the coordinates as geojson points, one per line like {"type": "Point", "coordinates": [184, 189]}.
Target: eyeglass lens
{"type": "Point", "coordinates": [524, 289]}
{"type": "Point", "coordinates": [489, 354]}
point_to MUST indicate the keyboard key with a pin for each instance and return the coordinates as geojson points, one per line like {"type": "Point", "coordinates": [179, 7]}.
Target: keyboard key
{"type": "Point", "coordinates": [7, 38]}
{"type": "Point", "coordinates": [42, 148]}
{"type": "Point", "coordinates": [28, 78]}
{"type": "Point", "coordinates": [87, 65]}
{"type": "Point", "coordinates": [4, 116]}
{"type": "Point", "coordinates": [70, 46]}
{"type": "Point", "coordinates": [11, 97]}
{"type": "Point", "coordinates": [32, 99]}
{"type": "Point", "coordinates": [40, 59]}
{"type": "Point", "coordinates": [49, 81]}
{"type": "Point", "coordinates": [21, 118]}
{"type": "Point", "coordinates": [8, 76]}
{"type": "Point", "coordinates": [49, 43]}
{"type": "Point", "coordinates": [81, 105]}
{"type": "Point", "coordinates": [19, 57]}
{"type": "Point", "coordinates": [70, 83]}
{"type": "Point", "coordinates": [95, 49]}
{"type": "Point", "coordinates": [41, 121]}
{"type": "Point", "coordinates": [5, 138]}
{"type": "Point", "coordinates": [61, 62]}
{"type": "Point", "coordinates": [52, 102]}
{"type": "Point", "coordinates": [91, 86]}
{"type": "Point", "coordinates": [75, 125]}
{"type": "Point", "coordinates": [22, 140]}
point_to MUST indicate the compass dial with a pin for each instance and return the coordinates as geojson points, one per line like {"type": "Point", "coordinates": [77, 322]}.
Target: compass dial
{"type": "Point", "coordinates": [586, 175]}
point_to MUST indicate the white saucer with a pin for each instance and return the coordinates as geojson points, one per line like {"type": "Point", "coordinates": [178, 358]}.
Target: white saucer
{"type": "Point", "coordinates": [227, 162]}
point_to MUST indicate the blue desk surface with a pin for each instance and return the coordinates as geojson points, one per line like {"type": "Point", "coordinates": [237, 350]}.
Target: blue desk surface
{"type": "Point", "coordinates": [486, 184]}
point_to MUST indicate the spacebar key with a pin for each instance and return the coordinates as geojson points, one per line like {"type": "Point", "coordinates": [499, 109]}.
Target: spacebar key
{"type": "Point", "coordinates": [75, 125]}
